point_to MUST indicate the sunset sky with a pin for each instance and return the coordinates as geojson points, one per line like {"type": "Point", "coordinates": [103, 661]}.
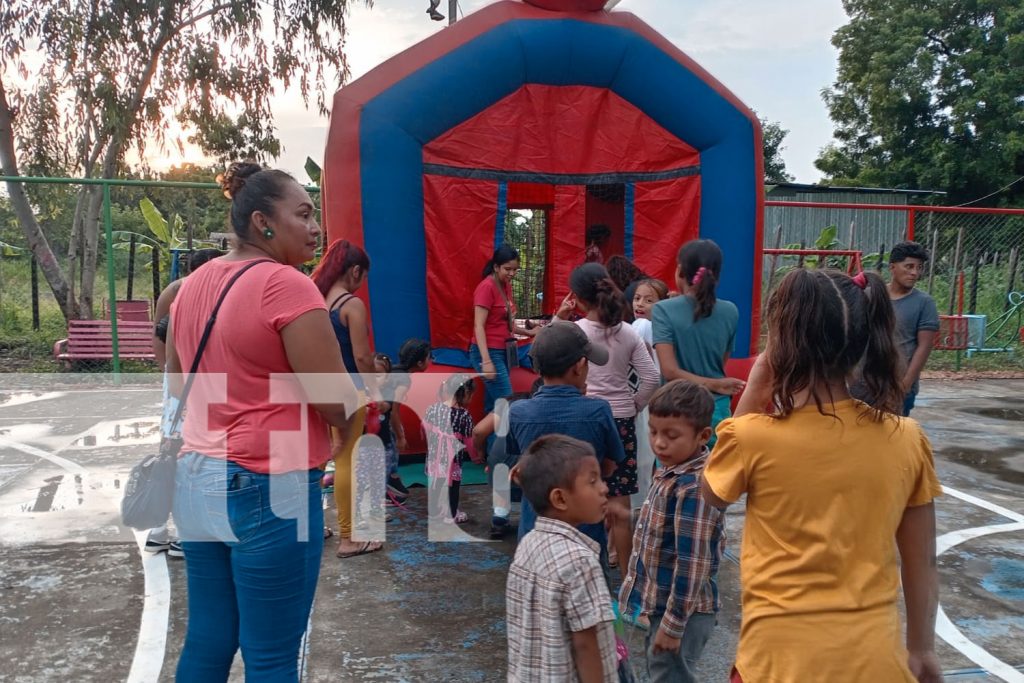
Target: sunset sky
{"type": "Point", "coordinates": [775, 56]}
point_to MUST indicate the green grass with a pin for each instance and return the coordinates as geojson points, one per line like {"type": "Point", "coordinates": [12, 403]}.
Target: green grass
{"type": "Point", "coordinates": [978, 362]}
{"type": "Point", "coordinates": [23, 349]}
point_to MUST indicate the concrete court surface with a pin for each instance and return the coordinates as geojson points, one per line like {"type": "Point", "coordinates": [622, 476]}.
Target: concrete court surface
{"type": "Point", "coordinates": [79, 601]}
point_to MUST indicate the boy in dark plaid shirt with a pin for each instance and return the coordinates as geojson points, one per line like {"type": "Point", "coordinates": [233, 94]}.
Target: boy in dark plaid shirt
{"type": "Point", "coordinates": [678, 540]}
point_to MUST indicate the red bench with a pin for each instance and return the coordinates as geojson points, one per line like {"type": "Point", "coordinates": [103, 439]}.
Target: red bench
{"type": "Point", "coordinates": [135, 310]}
{"type": "Point", "coordinates": [92, 340]}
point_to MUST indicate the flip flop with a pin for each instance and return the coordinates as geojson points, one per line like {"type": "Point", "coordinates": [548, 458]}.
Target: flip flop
{"type": "Point", "coordinates": [364, 549]}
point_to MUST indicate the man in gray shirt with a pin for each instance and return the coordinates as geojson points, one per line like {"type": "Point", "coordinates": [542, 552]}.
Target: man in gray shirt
{"type": "Point", "coordinates": [917, 319]}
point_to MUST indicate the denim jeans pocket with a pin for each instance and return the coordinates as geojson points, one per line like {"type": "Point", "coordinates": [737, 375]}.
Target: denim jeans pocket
{"type": "Point", "coordinates": [234, 516]}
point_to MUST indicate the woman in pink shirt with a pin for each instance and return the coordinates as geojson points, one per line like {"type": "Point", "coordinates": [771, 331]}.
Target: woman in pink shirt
{"type": "Point", "coordinates": [494, 323]}
{"type": "Point", "coordinates": [604, 306]}
{"type": "Point", "coordinates": [247, 497]}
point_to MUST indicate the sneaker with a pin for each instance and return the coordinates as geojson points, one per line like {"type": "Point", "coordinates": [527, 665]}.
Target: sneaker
{"type": "Point", "coordinates": [174, 549]}
{"type": "Point", "coordinates": [499, 525]}
{"type": "Point", "coordinates": [153, 546]}
{"type": "Point", "coordinates": [397, 488]}
{"type": "Point", "coordinates": [435, 15]}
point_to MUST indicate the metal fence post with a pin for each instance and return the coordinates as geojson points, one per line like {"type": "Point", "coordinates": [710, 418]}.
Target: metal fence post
{"type": "Point", "coordinates": [108, 228]}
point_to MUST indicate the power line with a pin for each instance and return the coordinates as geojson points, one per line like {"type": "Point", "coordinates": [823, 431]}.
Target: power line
{"type": "Point", "coordinates": [992, 194]}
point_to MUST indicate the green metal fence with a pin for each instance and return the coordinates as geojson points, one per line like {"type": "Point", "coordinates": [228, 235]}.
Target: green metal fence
{"type": "Point", "coordinates": [108, 229]}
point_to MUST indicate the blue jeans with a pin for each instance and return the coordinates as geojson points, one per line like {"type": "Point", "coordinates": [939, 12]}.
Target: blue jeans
{"type": "Point", "coordinates": [908, 402]}
{"type": "Point", "coordinates": [679, 666]}
{"type": "Point", "coordinates": [501, 385]}
{"type": "Point", "coordinates": [252, 547]}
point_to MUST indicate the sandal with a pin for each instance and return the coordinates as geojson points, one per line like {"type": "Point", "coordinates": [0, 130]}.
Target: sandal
{"type": "Point", "coordinates": [460, 517]}
{"type": "Point", "coordinates": [364, 549]}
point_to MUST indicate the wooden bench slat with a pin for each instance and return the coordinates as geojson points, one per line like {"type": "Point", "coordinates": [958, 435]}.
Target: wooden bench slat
{"type": "Point", "coordinates": [93, 340]}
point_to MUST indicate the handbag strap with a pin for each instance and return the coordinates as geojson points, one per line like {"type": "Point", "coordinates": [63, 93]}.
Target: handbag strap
{"type": "Point", "coordinates": [508, 306]}
{"type": "Point", "coordinates": [206, 337]}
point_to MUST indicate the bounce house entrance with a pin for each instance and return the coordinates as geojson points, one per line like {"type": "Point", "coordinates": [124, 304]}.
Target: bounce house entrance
{"type": "Point", "coordinates": [468, 212]}
{"type": "Point", "coordinates": [526, 231]}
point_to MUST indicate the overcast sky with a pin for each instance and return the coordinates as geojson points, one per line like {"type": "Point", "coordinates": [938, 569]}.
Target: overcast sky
{"type": "Point", "coordinates": [776, 57]}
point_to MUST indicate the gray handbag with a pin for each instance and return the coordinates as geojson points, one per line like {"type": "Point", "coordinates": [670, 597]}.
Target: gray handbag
{"type": "Point", "coordinates": [149, 492]}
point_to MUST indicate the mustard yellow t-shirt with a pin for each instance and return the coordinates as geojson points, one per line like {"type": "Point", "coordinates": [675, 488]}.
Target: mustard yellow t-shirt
{"type": "Point", "coordinates": [819, 562]}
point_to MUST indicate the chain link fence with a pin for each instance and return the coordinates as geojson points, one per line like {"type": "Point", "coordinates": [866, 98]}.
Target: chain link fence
{"type": "Point", "coordinates": [526, 231]}
{"type": "Point", "coordinates": [975, 269]}
{"type": "Point", "coordinates": [147, 231]}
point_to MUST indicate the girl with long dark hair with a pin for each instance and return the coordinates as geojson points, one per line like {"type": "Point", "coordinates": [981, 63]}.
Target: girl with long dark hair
{"type": "Point", "coordinates": [834, 487]}
{"type": "Point", "coordinates": [604, 306]}
{"type": "Point", "coordinates": [694, 334]}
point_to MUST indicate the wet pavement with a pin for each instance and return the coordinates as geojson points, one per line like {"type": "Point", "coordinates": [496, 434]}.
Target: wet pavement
{"type": "Point", "coordinates": [74, 596]}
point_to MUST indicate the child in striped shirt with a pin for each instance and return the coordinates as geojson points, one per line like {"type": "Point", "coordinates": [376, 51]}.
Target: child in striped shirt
{"type": "Point", "coordinates": [678, 541]}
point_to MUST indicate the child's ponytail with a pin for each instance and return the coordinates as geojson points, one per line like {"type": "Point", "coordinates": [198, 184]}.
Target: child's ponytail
{"type": "Point", "coordinates": [700, 265]}
{"type": "Point", "coordinates": [704, 285]}
{"type": "Point", "coordinates": [882, 368]}
{"type": "Point", "coordinates": [592, 285]}
{"type": "Point", "coordinates": [611, 304]}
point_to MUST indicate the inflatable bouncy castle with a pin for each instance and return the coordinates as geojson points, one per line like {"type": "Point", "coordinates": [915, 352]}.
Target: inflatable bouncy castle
{"type": "Point", "coordinates": [553, 105]}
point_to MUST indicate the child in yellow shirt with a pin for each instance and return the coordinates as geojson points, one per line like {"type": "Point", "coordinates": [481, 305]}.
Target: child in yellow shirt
{"type": "Point", "coordinates": [834, 486]}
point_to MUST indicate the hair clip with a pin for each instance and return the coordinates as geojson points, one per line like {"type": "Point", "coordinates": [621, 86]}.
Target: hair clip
{"type": "Point", "coordinates": [860, 279]}
{"type": "Point", "coordinates": [698, 276]}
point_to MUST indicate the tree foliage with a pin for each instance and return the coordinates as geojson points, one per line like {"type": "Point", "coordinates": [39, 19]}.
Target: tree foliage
{"type": "Point", "coordinates": [116, 76]}
{"type": "Point", "coordinates": [930, 95]}
{"type": "Point", "coordinates": [772, 137]}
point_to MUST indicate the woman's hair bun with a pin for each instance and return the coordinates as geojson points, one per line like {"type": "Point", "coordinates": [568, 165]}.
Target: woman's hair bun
{"type": "Point", "coordinates": [233, 180]}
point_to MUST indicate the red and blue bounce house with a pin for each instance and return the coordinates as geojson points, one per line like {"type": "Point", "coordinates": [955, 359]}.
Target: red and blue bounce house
{"type": "Point", "coordinates": [533, 105]}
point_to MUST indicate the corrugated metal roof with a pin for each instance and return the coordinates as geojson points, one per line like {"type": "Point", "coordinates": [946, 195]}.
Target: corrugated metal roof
{"type": "Point", "coordinates": [828, 189]}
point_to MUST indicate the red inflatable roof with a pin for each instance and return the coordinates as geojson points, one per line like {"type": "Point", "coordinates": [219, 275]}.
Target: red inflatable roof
{"type": "Point", "coordinates": [567, 129]}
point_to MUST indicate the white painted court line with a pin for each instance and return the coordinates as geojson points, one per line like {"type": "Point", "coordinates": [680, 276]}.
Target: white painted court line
{"type": "Point", "coordinates": [944, 627]}
{"type": "Point", "coordinates": [152, 642]}
{"type": "Point", "coordinates": [982, 503]}
{"type": "Point", "coordinates": [64, 463]}
{"type": "Point", "coordinates": [156, 607]}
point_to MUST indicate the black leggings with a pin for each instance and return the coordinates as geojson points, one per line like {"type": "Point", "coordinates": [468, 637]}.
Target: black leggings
{"type": "Point", "coordinates": [453, 496]}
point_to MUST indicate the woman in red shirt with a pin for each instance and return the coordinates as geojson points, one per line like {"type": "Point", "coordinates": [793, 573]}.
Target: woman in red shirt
{"type": "Point", "coordinates": [247, 497]}
{"type": "Point", "coordinates": [494, 322]}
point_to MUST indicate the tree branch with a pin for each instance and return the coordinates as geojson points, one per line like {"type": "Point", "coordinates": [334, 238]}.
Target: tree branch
{"type": "Point", "coordinates": [943, 46]}
{"type": "Point", "coordinates": [199, 17]}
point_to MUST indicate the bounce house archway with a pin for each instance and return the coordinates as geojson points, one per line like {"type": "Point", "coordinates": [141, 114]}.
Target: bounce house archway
{"type": "Point", "coordinates": [518, 106]}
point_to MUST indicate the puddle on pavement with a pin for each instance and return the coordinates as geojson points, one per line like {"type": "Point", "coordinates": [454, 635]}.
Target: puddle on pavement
{"type": "Point", "coordinates": [26, 432]}
{"type": "Point", "coordinates": [21, 398]}
{"type": "Point", "coordinates": [106, 433]}
{"type": "Point", "coordinates": [996, 462]}
{"type": "Point", "coordinates": [1013, 414]}
{"type": "Point", "coordinates": [65, 492]}
{"type": "Point", "coordinates": [1010, 410]}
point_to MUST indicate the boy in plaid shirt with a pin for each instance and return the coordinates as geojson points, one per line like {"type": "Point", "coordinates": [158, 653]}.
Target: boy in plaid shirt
{"type": "Point", "coordinates": [678, 540]}
{"type": "Point", "coordinates": [559, 612]}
